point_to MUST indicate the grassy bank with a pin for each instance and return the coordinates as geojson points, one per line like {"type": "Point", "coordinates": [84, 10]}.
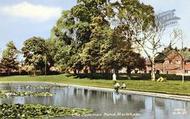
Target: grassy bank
{"type": "Point", "coordinates": [170, 87]}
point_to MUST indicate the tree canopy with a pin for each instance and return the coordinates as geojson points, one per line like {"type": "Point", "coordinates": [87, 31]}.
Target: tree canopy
{"type": "Point", "coordinates": [37, 54]}
{"type": "Point", "coordinates": [9, 58]}
{"type": "Point", "coordinates": [98, 34]}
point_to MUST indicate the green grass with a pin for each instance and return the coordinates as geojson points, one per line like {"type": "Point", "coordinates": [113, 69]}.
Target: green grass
{"type": "Point", "coordinates": [169, 87]}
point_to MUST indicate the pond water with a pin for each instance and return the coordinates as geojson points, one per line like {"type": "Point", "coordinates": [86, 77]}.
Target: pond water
{"type": "Point", "coordinates": [106, 105]}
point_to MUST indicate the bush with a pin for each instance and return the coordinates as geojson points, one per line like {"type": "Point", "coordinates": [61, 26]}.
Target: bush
{"type": "Point", "coordinates": [174, 77]}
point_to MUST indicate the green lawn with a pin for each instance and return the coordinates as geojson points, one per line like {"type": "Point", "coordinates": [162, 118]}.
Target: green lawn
{"type": "Point", "coordinates": [170, 87]}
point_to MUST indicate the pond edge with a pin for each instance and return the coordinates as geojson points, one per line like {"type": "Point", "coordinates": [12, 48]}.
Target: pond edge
{"type": "Point", "coordinates": [151, 94]}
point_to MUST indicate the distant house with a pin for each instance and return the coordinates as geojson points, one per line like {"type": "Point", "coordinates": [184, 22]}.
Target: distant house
{"type": "Point", "coordinates": [171, 61]}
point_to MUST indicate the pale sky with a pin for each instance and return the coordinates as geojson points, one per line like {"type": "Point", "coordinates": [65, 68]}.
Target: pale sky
{"type": "Point", "coordinates": [182, 10]}
{"type": "Point", "coordinates": [22, 19]}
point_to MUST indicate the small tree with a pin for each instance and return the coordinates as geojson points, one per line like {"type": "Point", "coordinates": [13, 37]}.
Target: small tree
{"type": "Point", "coordinates": [36, 54]}
{"type": "Point", "coordinates": [9, 58]}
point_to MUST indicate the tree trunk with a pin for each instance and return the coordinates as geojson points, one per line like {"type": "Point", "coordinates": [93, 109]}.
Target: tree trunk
{"type": "Point", "coordinates": [78, 71]}
{"type": "Point", "coordinates": [107, 71]}
{"type": "Point", "coordinates": [128, 72]}
{"type": "Point", "coordinates": [34, 73]}
{"type": "Point", "coordinates": [92, 69]}
{"type": "Point", "coordinates": [93, 72]}
{"type": "Point", "coordinates": [35, 70]}
{"type": "Point", "coordinates": [75, 71]}
{"type": "Point", "coordinates": [8, 72]}
{"type": "Point", "coordinates": [153, 77]}
{"type": "Point", "coordinates": [86, 70]}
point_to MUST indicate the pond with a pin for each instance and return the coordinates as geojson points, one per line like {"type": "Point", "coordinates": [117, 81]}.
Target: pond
{"type": "Point", "coordinates": [106, 104]}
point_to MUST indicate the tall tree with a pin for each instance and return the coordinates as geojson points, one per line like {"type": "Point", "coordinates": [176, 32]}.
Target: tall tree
{"type": "Point", "coordinates": [9, 58]}
{"type": "Point", "coordinates": [97, 33]}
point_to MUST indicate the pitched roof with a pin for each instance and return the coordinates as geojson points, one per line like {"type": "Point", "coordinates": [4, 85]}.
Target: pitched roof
{"type": "Point", "coordinates": [160, 58]}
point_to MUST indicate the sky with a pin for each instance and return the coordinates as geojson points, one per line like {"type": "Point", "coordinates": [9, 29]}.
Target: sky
{"type": "Point", "coordinates": [22, 19]}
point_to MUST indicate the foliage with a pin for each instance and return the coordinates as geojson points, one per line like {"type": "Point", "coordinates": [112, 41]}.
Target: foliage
{"type": "Point", "coordinates": [23, 111]}
{"type": "Point", "coordinates": [97, 35]}
{"type": "Point", "coordinates": [37, 54]}
{"type": "Point", "coordinates": [9, 58]}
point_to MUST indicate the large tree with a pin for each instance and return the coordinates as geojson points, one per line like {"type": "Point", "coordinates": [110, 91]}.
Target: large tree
{"type": "Point", "coordinates": [97, 33]}
{"type": "Point", "coordinates": [9, 58]}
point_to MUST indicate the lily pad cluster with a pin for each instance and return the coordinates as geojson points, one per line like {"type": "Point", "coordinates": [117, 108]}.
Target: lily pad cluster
{"type": "Point", "coordinates": [5, 93]}
{"type": "Point", "coordinates": [42, 87]}
{"type": "Point", "coordinates": [28, 111]}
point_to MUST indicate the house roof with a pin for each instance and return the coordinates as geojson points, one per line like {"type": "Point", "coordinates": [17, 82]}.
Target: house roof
{"type": "Point", "coordinates": [160, 58]}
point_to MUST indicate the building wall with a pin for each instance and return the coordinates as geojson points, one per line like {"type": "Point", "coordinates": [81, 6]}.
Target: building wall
{"type": "Point", "coordinates": [173, 64]}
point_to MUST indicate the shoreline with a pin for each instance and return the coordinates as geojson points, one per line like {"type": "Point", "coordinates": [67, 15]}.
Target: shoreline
{"type": "Point", "coordinates": [150, 94]}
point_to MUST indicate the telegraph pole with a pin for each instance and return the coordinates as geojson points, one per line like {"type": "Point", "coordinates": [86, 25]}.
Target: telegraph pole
{"type": "Point", "coordinates": [45, 64]}
{"type": "Point", "coordinates": [183, 63]}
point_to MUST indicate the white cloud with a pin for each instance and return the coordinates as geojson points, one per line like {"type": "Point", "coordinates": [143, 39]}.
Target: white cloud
{"type": "Point", "coordinates": [31, 11]}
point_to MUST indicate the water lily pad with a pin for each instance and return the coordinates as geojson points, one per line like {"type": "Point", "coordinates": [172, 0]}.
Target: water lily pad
{"type": "Point", "coordinates": [8, 93]}
{"type": "Point", "coordinates": [23, 111]}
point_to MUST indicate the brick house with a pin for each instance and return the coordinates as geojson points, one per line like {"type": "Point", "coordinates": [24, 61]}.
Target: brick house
{"type": "Point", "coordinates": [171, 61]}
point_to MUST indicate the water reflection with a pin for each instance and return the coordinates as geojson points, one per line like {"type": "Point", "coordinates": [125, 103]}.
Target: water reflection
{"type": "Point", "coordinates": [106, 104]}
